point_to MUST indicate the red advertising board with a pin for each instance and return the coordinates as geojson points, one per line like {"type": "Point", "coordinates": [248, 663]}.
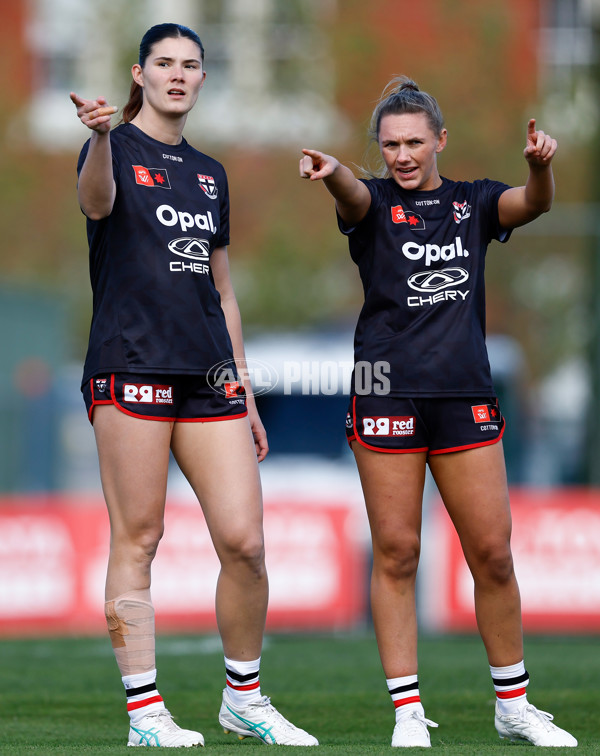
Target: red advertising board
{"type": "Point", "coordinates": [556, 550]}
{"type": "Point", "coordinates": [53, 554]}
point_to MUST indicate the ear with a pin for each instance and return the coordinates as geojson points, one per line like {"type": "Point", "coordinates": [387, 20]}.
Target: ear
{"type": "Point", "coordinates": [137, 74]}
{"type": "Point", "coordinates": [442, 141]}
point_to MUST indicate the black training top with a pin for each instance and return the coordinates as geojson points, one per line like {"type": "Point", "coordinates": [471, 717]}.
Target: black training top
{"type": "Point", "coordinates": [155, 305]}
{"type": "Point", "coordinates": [421, 258]}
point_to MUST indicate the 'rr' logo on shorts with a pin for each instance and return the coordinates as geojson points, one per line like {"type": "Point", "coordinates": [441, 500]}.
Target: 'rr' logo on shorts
{"type": "Point", "coordinates": [139, 393]}
{"type": "Point", "coordinates": [389, 426]}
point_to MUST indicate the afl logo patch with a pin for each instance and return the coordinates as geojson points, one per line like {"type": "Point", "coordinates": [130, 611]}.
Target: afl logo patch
{"type": "Point", "coordinates": [153, 177]}
{"type": "Point", "coordinates": [414, 221]}
{"type": "Point", "coordinates": [208, 186]}
{"type": "Point", "coordinates": [434, 280]}
{"type": "Point", "coordinates": [195, 249]}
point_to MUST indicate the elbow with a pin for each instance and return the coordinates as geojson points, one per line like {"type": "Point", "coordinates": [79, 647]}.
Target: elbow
{"type": "Point", "coordinates": [542, 208]}
{"type": "Point", "coordinates": [95, 210]}
{"type": "Point", "coordinates": [545, 205]}
{"type": "Point", "coordinates": [95, 215]}
{"type": "Point", "coordinates": [537, 208]}
{"type": "Point", "coordinates": [96, 205]}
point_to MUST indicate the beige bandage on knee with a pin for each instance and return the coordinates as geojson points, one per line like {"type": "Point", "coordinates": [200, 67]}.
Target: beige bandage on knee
{"type": "Point", "coordinates": [130, 620]}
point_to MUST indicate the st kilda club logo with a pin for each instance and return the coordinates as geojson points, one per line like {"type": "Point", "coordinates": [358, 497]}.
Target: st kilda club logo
{"type": "Point", "coordinates": [461, 211]}
{"type": "Point", "coordinates": [208, 186]}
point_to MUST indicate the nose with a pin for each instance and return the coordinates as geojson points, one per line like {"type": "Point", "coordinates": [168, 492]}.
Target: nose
{"type": "Point", "coordinates": [403, 155]}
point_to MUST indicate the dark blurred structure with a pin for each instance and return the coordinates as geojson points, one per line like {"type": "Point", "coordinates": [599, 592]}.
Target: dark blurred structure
{"type": "Point", "coordinates": [33, 334]}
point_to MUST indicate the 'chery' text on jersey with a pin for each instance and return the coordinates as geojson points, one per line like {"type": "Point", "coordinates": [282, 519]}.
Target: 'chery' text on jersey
{"type": "Point", "coordinates": [421, 259]}
{"type": "Point", "coordinates": [155, 305]}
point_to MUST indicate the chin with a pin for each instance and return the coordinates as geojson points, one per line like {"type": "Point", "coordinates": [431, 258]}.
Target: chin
{"type": "Point", "coordinates": [412, 183]}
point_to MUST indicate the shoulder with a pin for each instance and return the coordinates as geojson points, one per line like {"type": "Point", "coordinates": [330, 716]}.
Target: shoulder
{"type": "Point", "coordinates": [206, 161]}
{"type": "Point", "coordinates": [122, 137]}
{"type": "Point", "coordinates": [379, 188]}
{"type": "Point", "coordinates": [121, 134]}
{"type": "Point", "coordinates": [477, 186]}
{"type": "Point", "coordinates": [480, 191]}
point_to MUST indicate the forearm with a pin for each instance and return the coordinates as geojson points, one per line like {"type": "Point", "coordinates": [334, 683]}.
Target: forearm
{"type": "Point", "coordinates": [351, 196]}
{"type": "Point", "coordinates": [96, 186]}
{"type": "Point", "coordinates": [539, 189]}
{"type": "Point", "coordinates": [233, 321]}
{"type": "Point", "coordinates": [522, 204]}
{"type": "Point", "coordinates": [341, 184]}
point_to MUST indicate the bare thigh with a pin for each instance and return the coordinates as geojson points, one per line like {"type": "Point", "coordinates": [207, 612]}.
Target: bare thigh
{"type": "Point", "coordinates": [134, 459]}
{"type": "Point", "coordinates": [393, 489]}
{"type": "Point", "coordinates": [474, 489]}
{"type": "Point", "coordinates": [219, 461]}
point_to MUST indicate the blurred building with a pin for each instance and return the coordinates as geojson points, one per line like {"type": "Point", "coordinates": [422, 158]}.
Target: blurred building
{"type": "Point", "coordinates": [270, 65]}
{"type": "Point", "coordinates": [275, 68]}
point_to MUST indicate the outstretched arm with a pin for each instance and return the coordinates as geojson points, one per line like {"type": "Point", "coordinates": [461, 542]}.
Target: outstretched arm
{"type": "Point", "coordinates": [352, 198]}
{"type": "Point", "coordinates": [96, 187]}
{"type": "Point", "coordinates": [522, 204]}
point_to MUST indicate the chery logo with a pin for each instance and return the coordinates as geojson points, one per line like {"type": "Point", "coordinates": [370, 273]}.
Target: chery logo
{"type": "Point", "coordinates": [187, 246]}
{"type": "Point", "coordinates": [429, 281]}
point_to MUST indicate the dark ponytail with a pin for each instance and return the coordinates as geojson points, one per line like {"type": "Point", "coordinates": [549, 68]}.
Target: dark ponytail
{"type": "Point", "coordinates": [134, 103]}
{"type": "Point", "coordinates": [151, 37]}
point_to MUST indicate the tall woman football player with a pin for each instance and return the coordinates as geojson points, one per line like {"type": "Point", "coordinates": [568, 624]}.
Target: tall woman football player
{"type": "Point", "coordinates": [164, 313]}
{"type": "Point", "coordinates": [419, 241]}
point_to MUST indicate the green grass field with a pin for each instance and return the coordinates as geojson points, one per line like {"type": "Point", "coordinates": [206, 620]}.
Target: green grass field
{"type": "Point", "coordinates": [64, 696]}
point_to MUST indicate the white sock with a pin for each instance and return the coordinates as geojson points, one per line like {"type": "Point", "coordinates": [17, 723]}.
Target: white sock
{"type": "Point", "coordinates": [510, 684]}
{"type": "Point", "coordinates": [405, 694]}
{"type": "Point", "coordinates": [142, 695]}
{"type": "Point", "coordinates": [243, 681]}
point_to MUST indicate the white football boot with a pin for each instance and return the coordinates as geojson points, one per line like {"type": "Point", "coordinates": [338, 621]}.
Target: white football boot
{"type": "Point", "coordinates": [261, 720]}
{"type": "Point", "coordinates": [534, 726]}
{"type": "Point", "coordinates": [159, 730]}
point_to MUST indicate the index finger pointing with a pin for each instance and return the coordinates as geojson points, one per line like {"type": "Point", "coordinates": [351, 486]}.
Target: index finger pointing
{"type": "Point", "coordinates": [306, 166]}
{"type": "Point", "coordinates": [531, 127]}
{"type": "Point", "coordinates": [76, 99]}
{"type": "Point", "coordinates": [312, 153]}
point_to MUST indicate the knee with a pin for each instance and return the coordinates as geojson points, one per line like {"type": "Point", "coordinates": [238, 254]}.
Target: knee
{"type": "Point", "coordinates": [140, 542]}
{"type": "Point", "coordinates": [247, 549]}
{"type": "Point", "coordinates": [148, 540]}
{"type": "Point", "coordinates": [493, 562]}
{"type": "Point", "coordinates": [398, 559]}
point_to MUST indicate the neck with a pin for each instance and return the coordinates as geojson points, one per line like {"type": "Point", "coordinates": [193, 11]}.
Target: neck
{"type": "Point", "coordinates": [166, 130]}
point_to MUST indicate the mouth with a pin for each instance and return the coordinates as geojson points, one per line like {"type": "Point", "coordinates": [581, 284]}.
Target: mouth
{"type": "Point", "coordinates": [407, 172]}
{"type": "Point", "coordinates": [176, 92]}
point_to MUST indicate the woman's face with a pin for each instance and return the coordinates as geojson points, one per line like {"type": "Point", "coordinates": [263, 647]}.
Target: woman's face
{"type": "Point", "coordinates": [172, 76]}
{"type": "Point", "coordinates": [409, 148]}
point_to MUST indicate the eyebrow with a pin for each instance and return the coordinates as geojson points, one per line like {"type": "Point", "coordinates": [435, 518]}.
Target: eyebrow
{"type": "Point", "coordinates": [171, 60]}
{"type": "Point", "coordinates": [407, 139]}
